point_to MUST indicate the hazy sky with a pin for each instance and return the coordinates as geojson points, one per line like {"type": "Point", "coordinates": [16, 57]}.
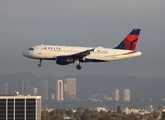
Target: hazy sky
{"type": "Point", "coordinates": [84, 23]}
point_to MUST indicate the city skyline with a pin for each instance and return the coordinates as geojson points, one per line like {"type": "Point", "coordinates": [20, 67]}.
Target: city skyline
{"type": "Point", "coordinates": [94, 88]}
{"type": "Point", "coordinates": [50, 89]}
{"type": "Point", "coordinates": [66, 91]}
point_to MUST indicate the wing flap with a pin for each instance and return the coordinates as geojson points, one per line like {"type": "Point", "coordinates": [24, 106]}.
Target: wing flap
{"type": "Point", "coordinates": [82, 54]}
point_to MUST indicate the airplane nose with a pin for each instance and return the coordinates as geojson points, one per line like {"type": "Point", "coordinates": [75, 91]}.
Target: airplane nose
{"type": "Point", "coordinates": [24, 53]}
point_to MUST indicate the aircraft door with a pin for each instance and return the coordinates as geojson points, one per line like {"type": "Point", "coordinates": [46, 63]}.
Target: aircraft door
{"type": "Point", "coordinates": [44, 51]}
{"type": "Point", "coordinates": [39, 50]}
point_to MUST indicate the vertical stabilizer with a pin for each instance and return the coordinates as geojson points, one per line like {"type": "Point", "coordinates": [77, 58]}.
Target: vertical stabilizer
{"type": "Point", "coordinates": [129, 43]}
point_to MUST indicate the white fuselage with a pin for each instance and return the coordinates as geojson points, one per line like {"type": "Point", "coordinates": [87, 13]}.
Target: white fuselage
{"type": "Point", "coordinates": [100, 54]}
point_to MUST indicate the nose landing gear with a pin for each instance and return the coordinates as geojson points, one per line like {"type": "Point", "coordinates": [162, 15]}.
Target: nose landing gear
{"type": "Point", "coordinates": [39, 65]}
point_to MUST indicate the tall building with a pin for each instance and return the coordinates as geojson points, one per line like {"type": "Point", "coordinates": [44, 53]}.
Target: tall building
{"type": "Point", "coordinates": [26, 86]}
{"type": "Point", "coordinates": [60, 90]}
{"type": "Point", "coordinates": [127, 95]}
{"type": "Point", "coordinates": [33, 90]}
{"type": "Point", "coordinates": [23, 86]}
{"type": "Point", "coordinates": [8, 88]}
{"type": "Point", "coordinates": [43, 89]}
{"type": "Point", "coordinates": [115, 94]}
{"type": "Point", "coordinates": [20, 107]}
{"type": "Point", "coordinates": [71, 87]}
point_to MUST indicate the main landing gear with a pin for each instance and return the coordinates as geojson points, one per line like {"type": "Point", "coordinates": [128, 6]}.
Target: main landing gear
{"type": "Point", "coordinates": [78, 65]}
{"type": "Point", "coordinates": [39, 65]}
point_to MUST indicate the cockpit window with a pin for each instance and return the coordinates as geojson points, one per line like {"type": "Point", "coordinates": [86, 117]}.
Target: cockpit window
{"type": "Point", "coordinates": [31, 49]}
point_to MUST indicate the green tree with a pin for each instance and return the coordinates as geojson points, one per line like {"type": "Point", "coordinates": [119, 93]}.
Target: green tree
{"type": "Point", "coordinates": [94, 115]}
{"type": "Point", "coordinates": [69, 113]}
{"type": "Point", "coordinates": [78, 112]}
{"type": "Point", "coordinates": [132, 117]}
{"type": "Point", "coordinates": [57, 117]}
{"type": "Point", "coordinates": [116, 116]}
{"type": "Point", "coordinates": [119, 110]}
{"type": "Point", "coordinates": [156, 115]}
{"type": "Point", "coordinates": [106, 118]}
{"type": "Point", "coordinates": [58, 112]}
{"type": "Point", "coordinates": [163, 115]}
{"type": "Point", "coordinates": [86, 117]}
{"type": "Point", "coordinates": [52, 113]}
{"type": "Point", "coordinates": [46, 116]}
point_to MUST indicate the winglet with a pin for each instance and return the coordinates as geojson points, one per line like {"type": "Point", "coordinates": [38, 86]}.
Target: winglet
{"type": "Point", "coordinates": [129, 43]}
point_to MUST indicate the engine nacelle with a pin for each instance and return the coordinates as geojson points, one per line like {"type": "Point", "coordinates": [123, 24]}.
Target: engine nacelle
{"type": "Point", "coordinates": [63, 60]}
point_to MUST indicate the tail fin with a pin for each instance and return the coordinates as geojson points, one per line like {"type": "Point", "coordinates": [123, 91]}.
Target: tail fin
{"type": "Point", "coordinates": [129, 43]}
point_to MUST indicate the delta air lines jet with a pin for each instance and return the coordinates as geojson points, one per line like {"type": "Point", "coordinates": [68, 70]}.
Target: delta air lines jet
{"type": "Point", "coordinates": [64, 55]}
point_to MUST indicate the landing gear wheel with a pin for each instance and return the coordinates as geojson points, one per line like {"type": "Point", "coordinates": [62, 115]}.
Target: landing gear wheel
{"type": "Point", "coordinates": [39, 65]}
{"type": "Point", "coordinates": [78, 67]}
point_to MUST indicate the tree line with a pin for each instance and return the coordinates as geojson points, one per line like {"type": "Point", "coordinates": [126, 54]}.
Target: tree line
{"type": "Point", "coordinates": [87, 114]}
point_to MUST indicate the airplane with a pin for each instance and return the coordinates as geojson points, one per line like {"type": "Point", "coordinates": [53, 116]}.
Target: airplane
{"type": "Point", "coordinates": [64, 55]}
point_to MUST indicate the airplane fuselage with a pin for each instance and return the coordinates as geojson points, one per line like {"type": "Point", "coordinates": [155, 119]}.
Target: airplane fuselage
{"type": "Point", "coordinates": [100, 54]}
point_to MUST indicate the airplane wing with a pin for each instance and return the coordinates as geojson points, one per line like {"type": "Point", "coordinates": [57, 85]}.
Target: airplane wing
{"type": "Point", "coordinates": [80, 55]}
{"type": "Point", "coordinates": [66, 59]}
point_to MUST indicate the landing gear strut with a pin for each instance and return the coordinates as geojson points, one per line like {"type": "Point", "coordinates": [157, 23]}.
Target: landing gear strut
{"type": "Point", "coordinates": [78, 65]}
{"type": "Point", "coordinates": [39, 65]}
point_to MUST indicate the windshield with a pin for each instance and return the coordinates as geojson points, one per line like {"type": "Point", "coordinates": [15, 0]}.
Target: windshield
{"type": "Point", "coordinates": [31, 49]}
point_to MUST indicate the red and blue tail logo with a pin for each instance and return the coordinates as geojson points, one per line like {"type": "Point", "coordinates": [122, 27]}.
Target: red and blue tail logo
{"type": "Point", "coordinates": [129, 43]}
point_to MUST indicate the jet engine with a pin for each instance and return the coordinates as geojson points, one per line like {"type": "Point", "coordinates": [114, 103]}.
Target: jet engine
{"type": "Point", "coordinates": [61, 60]}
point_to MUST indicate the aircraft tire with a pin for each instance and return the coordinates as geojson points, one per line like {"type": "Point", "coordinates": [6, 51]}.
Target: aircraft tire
{"type": "Point", "coordinates": [39, 65]}
{"type": "Point", "coordinates": [78, 67]}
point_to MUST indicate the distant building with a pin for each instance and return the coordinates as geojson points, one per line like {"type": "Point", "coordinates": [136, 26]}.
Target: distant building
{"type": "Point", "coordinates": [60, 90]}
{"type": "Point", "coordinates": [136, 111]}
{"type": "Point", "coordinates": [127, 95]}
{"type": "Point", "coordinates": [20, 107]}
{"type": "Point", "coordinates": [98, 109]}
{"type": "Point", "coordinates": [23, 85]}
{"type": "Point", "coordinates": [129, 111]}
{"type": "Point", "coordinates": [6, 87]}
{"type": "Point", "coordinates": [52, 96]}
{"type": "Point", "coordinates": [71, 88]}
{"type": "Point", "coordinates": [43, 89]}
{"type": "Point", "coordinates": [33, 90]}
{"type": "Point", "coordinates": [115, 94]}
